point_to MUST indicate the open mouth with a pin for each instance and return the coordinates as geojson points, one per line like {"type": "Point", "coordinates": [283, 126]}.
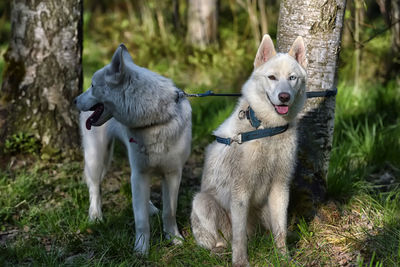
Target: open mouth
{"type": "Point", "coordinates": [282, 109]}
{"type": "Point", "coordinates": [98, 110]}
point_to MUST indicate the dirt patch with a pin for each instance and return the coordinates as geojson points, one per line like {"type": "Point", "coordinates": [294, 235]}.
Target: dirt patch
{"type": "Point", "coordinates": [337, 237]}
{"type": "Point", "coordinates": [8, 235]}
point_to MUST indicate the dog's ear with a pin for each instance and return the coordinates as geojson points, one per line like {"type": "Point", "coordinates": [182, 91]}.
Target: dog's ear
{"type": "Point", "coordinates": [115, 71]}
{"type": "Point", "coordinates": [298, 51]}
{"type": "Point", "coordinates": [266, 50]}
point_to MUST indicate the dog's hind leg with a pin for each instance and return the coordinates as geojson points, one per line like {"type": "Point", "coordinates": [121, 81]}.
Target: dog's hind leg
{"type": "Point", "coordinates": [152, 209]}
{"type": "Point", "coordinates": [211, 225]}
{"type": "Point", "coordinates": [170, 190]}
{"type": "Point", "coordinates": [98, 149]}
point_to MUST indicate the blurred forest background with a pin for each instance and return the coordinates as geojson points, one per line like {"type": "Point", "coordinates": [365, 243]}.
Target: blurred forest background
{"type": "Point", "coordinates": [43, 204]}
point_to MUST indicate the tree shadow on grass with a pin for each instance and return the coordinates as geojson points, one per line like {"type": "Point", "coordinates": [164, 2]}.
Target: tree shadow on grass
{"type": "Point", "coordinates": [383, 245]}
{"type": "Point", "coordinates": [365, 145]}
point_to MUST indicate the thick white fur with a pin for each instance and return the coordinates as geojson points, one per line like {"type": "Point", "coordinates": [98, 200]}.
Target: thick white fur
{"type": "Point", "coordinates": [143, 111]}
{"type": "Point", "coordinates": [244, 183]}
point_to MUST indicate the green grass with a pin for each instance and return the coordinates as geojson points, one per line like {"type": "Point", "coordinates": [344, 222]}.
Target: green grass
{"type": "Point", "coordinates": [46, 203]}
{"type": "Point", "coordinates": [54, 229]}
{"type": "Point", "coordinates": [366, 137]}
{"type": "Point", "coordinates": [43, 205]}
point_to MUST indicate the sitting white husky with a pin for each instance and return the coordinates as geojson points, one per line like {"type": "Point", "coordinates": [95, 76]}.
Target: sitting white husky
{"type": "Point", "coordinates": [153, 119]}
{"type": "Point", "coordinates": [248, 168]}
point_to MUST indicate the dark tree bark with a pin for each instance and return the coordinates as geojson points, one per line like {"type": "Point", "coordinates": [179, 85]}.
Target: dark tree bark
{"type": "Point", "coordinates": [390, 10]}
{"type": "Point", "coordinates": [176, 16]}
{"type": "Point", "coordinates": [320, 23]}
{"type": "Point", "coordinates": [202, 22]}
{"type": "Point", "coordinates": [43, 74]}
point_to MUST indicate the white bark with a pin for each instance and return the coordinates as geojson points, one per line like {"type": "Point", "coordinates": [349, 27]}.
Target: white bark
{"type": "Point", "coordinates": [202, 22]}
{"type": "Point", "coordinates": [43, 73]}
{"type": "Point", "coordinates": [320, 23]}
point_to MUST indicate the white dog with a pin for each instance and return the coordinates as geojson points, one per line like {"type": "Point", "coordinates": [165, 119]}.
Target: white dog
{"type": "Point", "coordinates": [248, 169]}
{"type": "Point", "coordinates": [153, 119]}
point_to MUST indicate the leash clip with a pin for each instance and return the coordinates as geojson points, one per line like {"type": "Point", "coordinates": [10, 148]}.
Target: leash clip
{"type": "Point", "coordinates": [238, 139]}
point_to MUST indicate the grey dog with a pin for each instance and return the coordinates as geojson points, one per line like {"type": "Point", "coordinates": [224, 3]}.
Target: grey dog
{"type": "Point", "coordinates": [143, 110]}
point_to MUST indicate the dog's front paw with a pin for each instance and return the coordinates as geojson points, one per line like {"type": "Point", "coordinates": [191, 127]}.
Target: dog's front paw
{"type": "Point", "coordinates": [239, 259]}
{"type": "Point", "coordinates": [95, 215]}
{"type": "Point", "coordinates": [141, 246]}
{"type": "Point", "coordinates": [175, 239]}
{"type": "Point", "coordinates": [241, 263]}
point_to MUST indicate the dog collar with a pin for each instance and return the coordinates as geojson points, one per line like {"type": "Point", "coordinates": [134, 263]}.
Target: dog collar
{"type": "Point", "coordinates": [251, 116]}
{"type": "Point", "coordinates": [252, 135]}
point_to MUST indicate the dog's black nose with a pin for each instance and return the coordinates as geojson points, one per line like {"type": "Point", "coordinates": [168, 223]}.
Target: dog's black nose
{"type": "Point", "coordinates": [284, 97]}
{"type": "Point", "coordinates": [75, 101]}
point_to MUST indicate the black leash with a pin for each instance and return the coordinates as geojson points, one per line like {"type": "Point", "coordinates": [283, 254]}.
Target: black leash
{"type": "Point", "coordinates": [326, 93]}
{"type": "Point", "coordinates": [209, 93]}
{"type": "Point", "coordinates": [258, 133]}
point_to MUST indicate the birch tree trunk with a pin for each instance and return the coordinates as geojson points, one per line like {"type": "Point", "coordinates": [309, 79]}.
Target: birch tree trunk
{"type": "Point", "coordinates": [43, 74]}
{"type": "Point", "coordinates": [320, 23]}
{"type": "Point", "coordinates": [395, 17]}
{"type": "Point", "coordinates": [202, 22]}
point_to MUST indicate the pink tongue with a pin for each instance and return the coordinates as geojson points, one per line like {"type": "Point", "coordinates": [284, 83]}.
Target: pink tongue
{"type": "Point", "coordinates": [282, 109]}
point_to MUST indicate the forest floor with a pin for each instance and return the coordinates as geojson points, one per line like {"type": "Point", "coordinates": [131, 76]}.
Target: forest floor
{"type": "Point", "coordinates": [44, 205]}
{"type": "Point", "coordinates": [44, 221]}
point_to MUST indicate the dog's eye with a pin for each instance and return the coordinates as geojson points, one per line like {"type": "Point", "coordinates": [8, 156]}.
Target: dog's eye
{"type": "Point", "coordinates": [272, 77]}
{"type": "Point", "coordinates": [292, 78]}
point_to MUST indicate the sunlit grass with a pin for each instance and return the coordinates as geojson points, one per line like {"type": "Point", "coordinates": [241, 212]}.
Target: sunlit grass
{"type": "Point", "coordinates": [366, 232]}
{"type": "Point", "coordinates": [366, 137]}
{"type": "Point", "coordinates": [46, 203]}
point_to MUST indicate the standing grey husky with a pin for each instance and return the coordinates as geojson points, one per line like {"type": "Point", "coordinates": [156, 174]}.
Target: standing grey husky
{"type": "Point", "coordinates": [248, 168]}
{"type": "Point", "coordinates": [152, 119]}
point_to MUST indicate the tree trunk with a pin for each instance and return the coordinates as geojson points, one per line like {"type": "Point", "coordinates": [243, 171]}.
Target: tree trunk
{"type": "Point", "coordinates": [263, 14]}
{"type": "Point", "coordinates": [395, 18]}
{"type": "Point", "coordinates": [43, 74]}
{"type": "Point", "coordinates": [320, 24]}
{"type": "Point", "coordinates": [358, 9]}
{"type": "Point", "coordinates": [390, 10]}
{"type": "Point", "coordinates": [202, 22]}
{"type": "Point", "coordinates": [395, 14]}
{"type": "Point", "coordinates": [251, 8]}
{"type": "Point", "coordinates": [176, 16]}
{"type": "Point", "coordinates": [255, 24]}
{"type": "Point", "coordinates": [147, 18]}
